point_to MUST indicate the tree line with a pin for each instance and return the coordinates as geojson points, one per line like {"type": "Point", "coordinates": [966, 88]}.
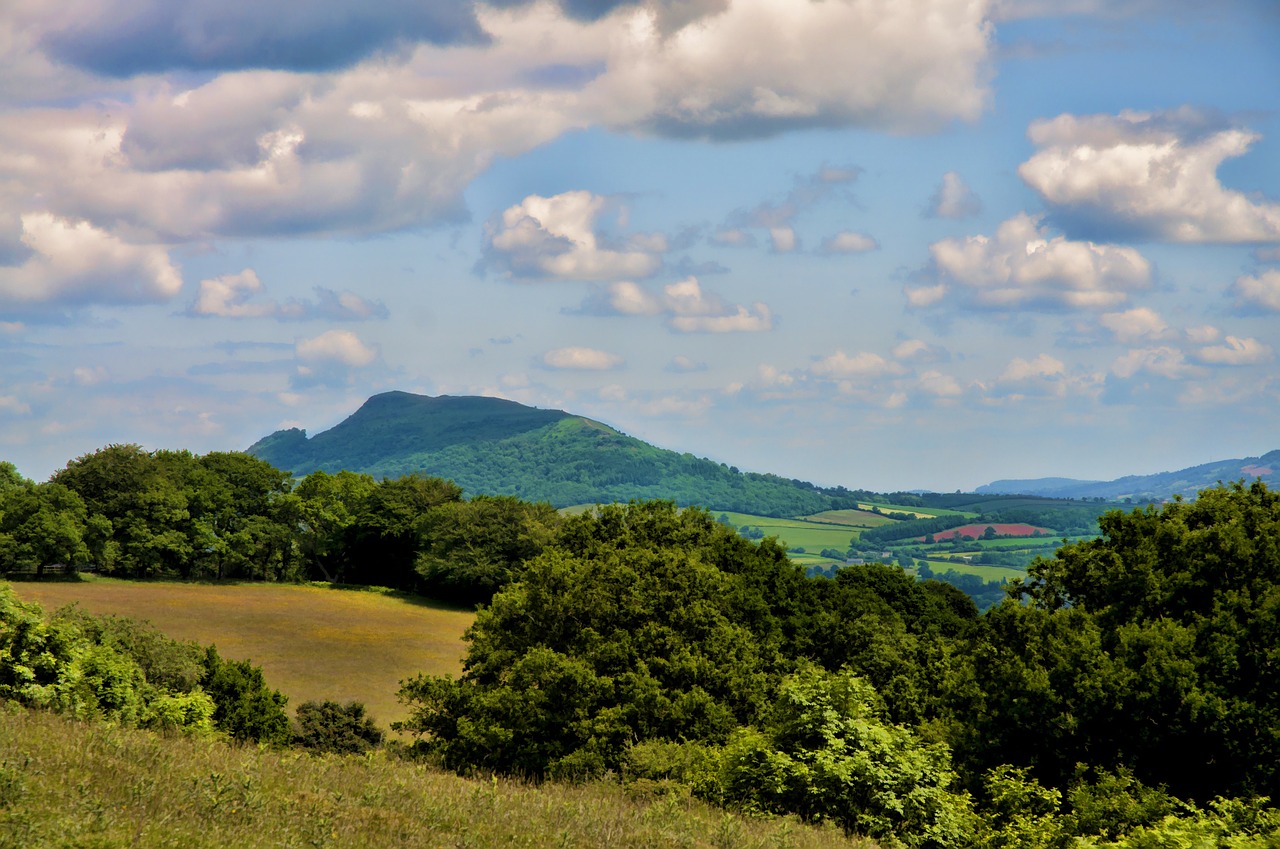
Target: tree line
{"type": "Point", "coordinates": [133, 513]}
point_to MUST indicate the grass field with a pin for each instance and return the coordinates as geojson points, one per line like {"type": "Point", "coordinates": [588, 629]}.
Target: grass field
{"type": "Point", "coordinates": [793, 533]}
{"type": "Point", "coordinates": [312, 642]}
{"type": "Point", "coordinates": [918, 512]}
{"type": "Point", "coordinates": [851, 518]}
{"type": "Point", "coordinates": [95, 786]}
{"type": "Point", "coordinates": [986, 573]}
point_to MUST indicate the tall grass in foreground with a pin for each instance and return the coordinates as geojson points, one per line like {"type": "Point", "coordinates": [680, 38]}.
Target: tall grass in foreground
{"type": "Point", "coordinates": [94, 786]}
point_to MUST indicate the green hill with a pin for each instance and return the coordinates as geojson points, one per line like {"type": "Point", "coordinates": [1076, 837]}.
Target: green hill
{"type": "Point", "coordinates": [496, 447]}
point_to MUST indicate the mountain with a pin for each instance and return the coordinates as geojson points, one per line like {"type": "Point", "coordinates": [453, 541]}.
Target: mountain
{"type": "Point", "coordinates": [1157, 487]}
{"type": "Point", "coordinates": [496, 447]}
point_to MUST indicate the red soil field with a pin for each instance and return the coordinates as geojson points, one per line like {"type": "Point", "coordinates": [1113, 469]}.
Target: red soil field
{"type": "Point", "coordinates": [1019, 529]}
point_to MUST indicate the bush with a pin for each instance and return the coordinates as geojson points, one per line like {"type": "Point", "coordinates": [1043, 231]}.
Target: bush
{"type": "Point", "coordinates": [330, 727]}
{"type": "Point", "coordinates": [826, 753]}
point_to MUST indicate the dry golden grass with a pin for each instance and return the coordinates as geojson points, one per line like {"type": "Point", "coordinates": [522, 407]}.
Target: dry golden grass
{"type": "Point", "coordinates": [93, 786]}
{"type": "Point", "coordinates": [312, 642]}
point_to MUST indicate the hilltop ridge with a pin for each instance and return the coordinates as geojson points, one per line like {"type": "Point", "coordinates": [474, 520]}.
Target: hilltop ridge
{"type": "Point", "coordinates": [493, 446]}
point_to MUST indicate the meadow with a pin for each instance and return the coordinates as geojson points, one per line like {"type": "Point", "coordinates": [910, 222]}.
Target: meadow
{"type": "Point", "coordinates": [89, 784]}
{"type": "Point", "coordinates": [313, 642]}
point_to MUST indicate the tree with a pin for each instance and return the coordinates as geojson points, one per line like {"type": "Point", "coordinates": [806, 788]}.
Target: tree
{"type": "Point", "coordinates": [384, 539]}
{"type": "Point", "coordinates": [330, 727]}
{"type": "Point", "coordinates": [826, 752]}
{"type": "Point", "coordinates": [640, 622]}
{"type": "Point", "coordinates": [471, 549]}
{"type": "Point", "coordinates": [40, 525]}
{"type": "Point", "coordinates": [244, 706]}
{"type": "Point", "coordinates": [322, 509]}
{"type": "Point", "coordinates": [145, 529]}
{"type": "Point", "coordinates": [1151, 647]}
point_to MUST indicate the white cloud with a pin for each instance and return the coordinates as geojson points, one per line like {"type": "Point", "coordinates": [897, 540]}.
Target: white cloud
{"type": "Point", "coordinates": [864, 364]}
{"type": "Point", "coordinates": [1023, 267]}
{"type": "Point", "coordinates": [686, 305]}
{"type": "Point", "coordinates": [1163, 361]}
{"type": "Point", "coordinates": [227, 296]}
{"type": "Point", "coordinates": [556, 237]}
{"type": "Point", "coordinates": [783, 239]}
{"type": "Point", "coordinates": [742, 320]}
{"type": "Point", "coordinates": [336, 346]}
{"type": "Point", "coordinates": [924, 296]}
{"type": "Point", "coordinates": [953, 199]}
{"type": "Point", "coordinates": [939, 385]}
{"type": "Point", "coordinates": [73, 263]}
{"type": "Point", "coordinates": [917, 350]}
{"type": "Point", "coordinates": [13, 405]}
{"type": "Point", "coordinates": [762, 66]}
{"type": "Point", "coordinates": [680, 364]}
{"type": "Point", "coordinates": [1236, 352]}
{"type": "Point", "coordinates": [1134, 325]}
{"type": "Point", "coordinates": [1042, 377]}
{"type": "Point", "coordinates": [1260, 293]}
{"type": "Point", "coordinates": [1152, 175]}
{"type": "Point", "coordinates": [849, 242]}
{"type": "Point", "coordinates": [589, 359]}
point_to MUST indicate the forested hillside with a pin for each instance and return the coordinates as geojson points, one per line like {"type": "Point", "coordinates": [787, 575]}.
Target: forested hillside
{"type": "Point", "coordinates": [489, 446]}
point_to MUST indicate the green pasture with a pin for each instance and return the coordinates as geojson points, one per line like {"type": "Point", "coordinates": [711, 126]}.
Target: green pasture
{"type": "Point", "coordinates": [792, 533]}
{"type": "Point", "coordinates": [986, 573]}
{"type": "Point", "coordinates": [918, 512]}
{"type": "Point", "coordinates": [313, 642]}
{"type": "Point", "coordinates": [851, 518]}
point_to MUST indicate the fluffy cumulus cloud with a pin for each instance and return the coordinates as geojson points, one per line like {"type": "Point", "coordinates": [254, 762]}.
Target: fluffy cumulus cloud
{"type": "Point", "coordinates": [581, 359]}
{"type": "Point", "coordinates": [1260, 293]}
{"type": "Point", "coordinates": [762, 66]}
{"type": "Point", "coordinates": [849, 242]}
{"type": "Point", "coordinates": [1043, 376]}
{"type": "Point", "coordinates": [72, 263]}
{"type": "Point", "coordinates": [1135, 325]}
{"type": "Point", "coordinates": [1163, 361]}
{"type": "Point", "coordinates": [1235, 351]}
{"type": "Point", "coordinates": [953, 199]}
{"type": "Point", "coordinates": [558, 237]}
{"type": "Point", "coordinates": [346, 118]}
{"type": "Point", "coordinates": [865, 364]}
{"type": "Point", "coordinates": [687, 307]}
{"type": "Point", "coordinates": [1147, 175]}
{"type": "Point", "coordinates": [228, 296]}
{"type": "Point", "coordinates": [331, 359]}
{"type": "Point", "coordinates": [232, 296]}
{"type": "Point", "coordinates": [1023, 267]}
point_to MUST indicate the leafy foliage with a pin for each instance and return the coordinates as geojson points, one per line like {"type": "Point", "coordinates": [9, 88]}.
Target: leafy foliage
{"type": "Point", "coordinates": [330, 727]}
{"type": "Point", "coordinates": [827, 753]}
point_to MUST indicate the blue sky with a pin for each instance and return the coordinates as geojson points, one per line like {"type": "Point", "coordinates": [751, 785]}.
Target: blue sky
{"type": "Point", "coordinates": [879, 243]}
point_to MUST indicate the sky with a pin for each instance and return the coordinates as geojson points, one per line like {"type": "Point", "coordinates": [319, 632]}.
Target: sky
{"type": "Point", "coordinates": [885, 244]}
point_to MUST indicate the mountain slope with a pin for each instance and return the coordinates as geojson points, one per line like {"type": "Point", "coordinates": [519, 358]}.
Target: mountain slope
{"type": "Point", "coordinates": [496, 447]}
{"type": "Point", "coordinates": [1157, 487]}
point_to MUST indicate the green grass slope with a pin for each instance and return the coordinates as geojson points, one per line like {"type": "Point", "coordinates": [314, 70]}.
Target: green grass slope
{"type": "Point", "coordinates": [495, 447]}
{"type": "Point", "coordinates": [94, 786]}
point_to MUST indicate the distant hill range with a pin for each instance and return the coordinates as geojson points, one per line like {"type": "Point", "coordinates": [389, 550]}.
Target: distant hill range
{"type": "Point", "coordinates": [496, 447]}
{"type": "Point", "coordinates": [1144, 488]}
